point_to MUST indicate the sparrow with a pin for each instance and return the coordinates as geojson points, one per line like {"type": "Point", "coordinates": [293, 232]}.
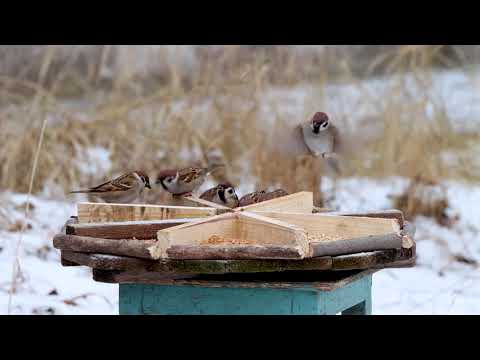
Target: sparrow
{"type": "Point", "coordinates": [322, 138]}
{"type": "Point", "coordinates": [259, 196]}
{"type": "Point", "coordinates": [274, 194]}
{"type": "Point", "coordinates": [183, 181]}
{"type": "Point", "coordinates": [121, 190]}
{"type": "Point", "coordinates": [222, 194]}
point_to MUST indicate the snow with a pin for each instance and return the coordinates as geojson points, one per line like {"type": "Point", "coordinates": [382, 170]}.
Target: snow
{"type": "Point", "coordinates": [95, 160]}
{"type": "Point", "coordinates": [438, 284]}
{"type": "Point", "coordinates": [41, 271]}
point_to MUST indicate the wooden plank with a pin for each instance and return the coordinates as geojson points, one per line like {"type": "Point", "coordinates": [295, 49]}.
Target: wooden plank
{"type": "Point", "coordinates": [65, 230]}
{"type": "Point", "coordinates": [189, 234]}
{"type": "Point", "coordinates": [101, 212]}
{"type": "Point", "coordinates": [356, 245]}
{"type": "Point", "coordinates": [241, 235]}
{"type": "Point", "coordinates": [115, 277]}
{"type": "Point", "coordinates": [330, 227]}
{"type": "Point", "coordinates": [139, 230]}
{"type": "Point", "coordinates": [195, 201]}
{"type": "Point", "coordinates": [325, 281]}
{"type": "Point", "coordinates": [134, 248]}
{"type": "Point", "coordinates": [300, 202]}
{"type": "Point", "coordinates": [386, 214]}
{"type": "Point", "coordinates": [124, 263]}
{"type": "Point", "coordinates": [215, 252]}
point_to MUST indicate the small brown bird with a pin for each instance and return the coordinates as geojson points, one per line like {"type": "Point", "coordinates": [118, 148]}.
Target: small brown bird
{"type": "Point", "coordinates": [222, 194]}
{"type": "Point", "coordinates": [259, 196]}
{"type": "Point", "coordinates": [183, 181]}
{"type": "Point", "coordinates": [322, 138]}
{"type": "Point", "coordinates": [121, 190]}
{"type": "Point", "coordinates": [274, 194]}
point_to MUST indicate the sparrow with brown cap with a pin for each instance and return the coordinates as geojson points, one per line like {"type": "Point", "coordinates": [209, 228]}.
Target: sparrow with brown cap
{"type": "Point", "coordinates": [121, 190]}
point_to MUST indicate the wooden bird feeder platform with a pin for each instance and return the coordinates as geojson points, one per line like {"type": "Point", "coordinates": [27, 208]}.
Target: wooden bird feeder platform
{"type": "Point", "coordinates": [132, 243]}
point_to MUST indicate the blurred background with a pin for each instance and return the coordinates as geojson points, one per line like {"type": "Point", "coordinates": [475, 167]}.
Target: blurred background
{"type": "Point", "coordinates": [72, 116]}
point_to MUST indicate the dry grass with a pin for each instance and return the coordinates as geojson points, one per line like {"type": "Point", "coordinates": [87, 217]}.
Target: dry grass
{"type": "Point", "coordinates": [175, 114]}
{"type": "Point", "coordinates": [425, 197]}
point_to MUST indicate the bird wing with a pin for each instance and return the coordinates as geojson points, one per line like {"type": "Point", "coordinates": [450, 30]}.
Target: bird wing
{"type": "Point", "coordinates": [252, 198]}
{"type": "Point", "coordinates": [288, 141]}
{"type": "Point", "coordinates": [190, 174]}
{"type": "Point", "coordinates": [122, 183]}
{"type": "Point", "coordinates": [209, 194]}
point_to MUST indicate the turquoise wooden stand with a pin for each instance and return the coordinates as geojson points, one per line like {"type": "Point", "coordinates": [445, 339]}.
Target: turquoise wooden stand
{"type": "Point", "coordinates": [350, 296]}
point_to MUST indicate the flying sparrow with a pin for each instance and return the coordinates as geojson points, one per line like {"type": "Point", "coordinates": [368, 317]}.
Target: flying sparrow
{"type": "Point", "coordinates": [183, 181]}
{"type": "Point", "coordinates": [121, 190]}
{"type": "Point", "coordinates": [322, 138]}
{"type": "Point", "coordinates": [222, 194]}
{"type": "Point", "coordinates": [259, 196]}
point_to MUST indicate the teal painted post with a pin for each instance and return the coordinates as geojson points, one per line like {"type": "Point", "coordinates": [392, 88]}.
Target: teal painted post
{"type": "Point", "coordinates": [142, 299]}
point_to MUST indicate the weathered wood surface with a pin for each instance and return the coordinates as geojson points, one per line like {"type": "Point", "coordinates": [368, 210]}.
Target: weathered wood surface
{"type": "Point", "coordinates": [216, 252]}
{"type": "Point", "coordinates": [263, 238]}
{"type": "Point", "coordinates": [325, 281]}
{"type": "Point", "coordinates": [301, 202]}
{"type": "Point", "coordinates": [101, 212]}
{"type": "Point", "coordinates": [337, 227]}
{"type": "Point", "coordinates": [387, 214]}
{"type": "Point", "coordinates": [139, 230]}
{"type": "Point", "coordinates": [376, 259]}
{"type": "Point", "coordinates": [356, 245]}
{"type": "Point", "coordinates": [65, 230]}
{"type": "Point", "coordinates": [126, 247]}
{"type": "Point", "coordinates": [112, 262]}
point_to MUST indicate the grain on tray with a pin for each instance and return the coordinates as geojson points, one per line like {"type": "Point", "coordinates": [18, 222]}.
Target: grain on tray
{"type": "Point", "coordinates": [322, 237]}
{"type": "Point", "coordinates": [219, 240]}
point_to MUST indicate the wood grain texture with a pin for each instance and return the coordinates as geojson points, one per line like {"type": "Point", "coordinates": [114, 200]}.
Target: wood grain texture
{"type": "Point", "coordinates": [139, 230]}
{"type": "Point", "coordinates": [375, 259]}
{"type": "Point", "coordinates": [261, 235]}
{"type": "Point", "coordinates": [101, 212]}
{"type": "Point", "coordinates": [301, 202]}
{"type": "Point", "coordinates": [325, 281]}
{"type": "Point", "coordinates": [356, 245]}
{"type": "Point", "coordinates": [66, 231]}
{"type": "Point", "coordinates": [116, 262]}
{"type": "Point", "coordinates": [386, 214]}
{"type": "Point", "coordinates": [133, 248]}
{"type": "Point", "coordinates": [215, 252]}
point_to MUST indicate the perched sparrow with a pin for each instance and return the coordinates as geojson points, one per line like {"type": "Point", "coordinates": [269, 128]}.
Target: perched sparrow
{"type": "Point", "coordinates": [183, 181]}
{"type": "Point", "coordinates": [274, 194]}
{"type": "Point", "coordinates": [259, 196]}
{"type": "Point", "coordinates": [322, 138]}
{"type": "Point", "coordinates": [123, 189]}
{"type": "Point", "coordinates": [252, 198]}
{"type": "Point", "coordinates": [222, 194]}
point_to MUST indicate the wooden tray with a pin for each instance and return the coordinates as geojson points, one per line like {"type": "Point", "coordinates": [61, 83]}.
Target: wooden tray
{"type": "Point", "coordinates": [285, 228]}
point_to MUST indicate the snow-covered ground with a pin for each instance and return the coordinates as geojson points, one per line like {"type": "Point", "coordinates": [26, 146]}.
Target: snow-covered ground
{"type": "Point", "coordinates": [437, 285]}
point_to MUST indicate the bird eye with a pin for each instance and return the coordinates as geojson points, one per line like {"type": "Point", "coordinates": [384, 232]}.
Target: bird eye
{"type": "Point", "coordinates": [230, 191]}
{"type": "Point", "coordinates": [325, 124]}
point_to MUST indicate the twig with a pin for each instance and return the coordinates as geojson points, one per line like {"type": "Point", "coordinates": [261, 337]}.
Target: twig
{"type": "Point", "coordinates": [16, 262]}
{"type": "Point", "coordinates": [72, 301]}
